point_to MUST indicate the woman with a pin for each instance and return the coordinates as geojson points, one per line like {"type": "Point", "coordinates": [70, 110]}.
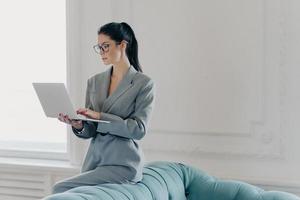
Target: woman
{"type": "Point", "coordinates": [122, 95]}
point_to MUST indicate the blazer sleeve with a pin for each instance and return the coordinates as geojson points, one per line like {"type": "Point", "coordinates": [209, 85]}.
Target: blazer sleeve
{"type": "Point", "coordinates": [89, 128]}
{"type": "Point", "coordinates": [134, 127]}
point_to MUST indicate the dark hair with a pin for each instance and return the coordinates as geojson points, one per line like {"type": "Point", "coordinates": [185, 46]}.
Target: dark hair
{"type": "Point", "coordinates": [122, 31]}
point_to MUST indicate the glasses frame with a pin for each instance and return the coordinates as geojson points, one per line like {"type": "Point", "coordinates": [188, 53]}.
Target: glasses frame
{"type": "Point", "coordinates": [101, 49]}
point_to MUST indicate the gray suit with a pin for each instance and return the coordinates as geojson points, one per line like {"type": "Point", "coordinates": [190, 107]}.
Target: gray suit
{"type": "Point", "coordinates": [114, 156]}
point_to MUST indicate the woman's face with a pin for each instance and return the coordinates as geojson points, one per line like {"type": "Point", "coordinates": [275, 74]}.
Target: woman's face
{"type": "Point", "coordinates": [111, 51]}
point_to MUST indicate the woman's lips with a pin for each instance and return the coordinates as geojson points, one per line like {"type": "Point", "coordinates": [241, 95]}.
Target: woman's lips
{"type": "Point", "coordinates": [104, 58]}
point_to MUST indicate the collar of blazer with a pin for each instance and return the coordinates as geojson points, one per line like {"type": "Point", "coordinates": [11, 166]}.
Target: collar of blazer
{"type": "Point", "coordinates": [123, 86]}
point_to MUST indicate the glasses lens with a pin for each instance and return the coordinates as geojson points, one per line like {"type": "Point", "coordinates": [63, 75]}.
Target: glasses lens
{"type": "Point", "coordinates": [105, 47]}
{"type": "Point", "coordinates": [97, 48]}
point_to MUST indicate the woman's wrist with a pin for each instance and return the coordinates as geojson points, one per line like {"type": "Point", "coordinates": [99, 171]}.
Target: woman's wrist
{"type": "Point", "coordinates": [79, 128]}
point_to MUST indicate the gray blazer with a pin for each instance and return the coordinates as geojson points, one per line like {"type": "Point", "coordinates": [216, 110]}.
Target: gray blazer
{"type": "Point", "coordinates": [129, 109]}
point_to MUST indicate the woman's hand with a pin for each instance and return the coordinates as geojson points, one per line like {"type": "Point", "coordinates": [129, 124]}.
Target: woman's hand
{"type": "Point", "coordinates": [88, 113]}
{"type": "Point", "coordinates": [75, 123]}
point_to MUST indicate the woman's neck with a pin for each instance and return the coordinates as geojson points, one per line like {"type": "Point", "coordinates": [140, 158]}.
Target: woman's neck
{"type": "Point", "coordinates": [120, 69]}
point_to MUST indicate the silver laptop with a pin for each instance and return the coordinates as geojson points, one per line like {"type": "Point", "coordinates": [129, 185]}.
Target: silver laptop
{"type": "Point", "coordinates": [55, 99]}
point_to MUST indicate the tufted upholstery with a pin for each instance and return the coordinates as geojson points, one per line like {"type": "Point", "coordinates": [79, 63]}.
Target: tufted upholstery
{"type": "Point", "coordinates": [174, 181]}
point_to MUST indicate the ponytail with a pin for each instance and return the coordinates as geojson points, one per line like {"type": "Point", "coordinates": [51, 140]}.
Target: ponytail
{"type": "Point", "coordinates": [132, 47]}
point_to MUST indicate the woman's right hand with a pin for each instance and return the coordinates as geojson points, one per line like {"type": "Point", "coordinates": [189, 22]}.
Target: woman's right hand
{"type": "Point", "coordinates": [75, 123]}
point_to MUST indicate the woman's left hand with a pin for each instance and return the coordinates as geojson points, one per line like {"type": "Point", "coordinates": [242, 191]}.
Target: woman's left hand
{"type": "Point", "coordinates": [88, 113]}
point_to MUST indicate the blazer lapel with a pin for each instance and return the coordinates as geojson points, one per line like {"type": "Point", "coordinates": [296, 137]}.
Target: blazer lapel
{"type": "Point", "coordinates": [103, 84]}
{"type": "Point", "coordinates": [124, 85]}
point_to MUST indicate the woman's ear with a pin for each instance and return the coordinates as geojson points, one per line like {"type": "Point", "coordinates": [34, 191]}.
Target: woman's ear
{"type": "Point", "coordinates": [124, 44]}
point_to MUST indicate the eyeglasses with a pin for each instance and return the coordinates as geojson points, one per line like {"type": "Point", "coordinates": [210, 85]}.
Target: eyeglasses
{"type": "Point", "coordinates": [100, 49]}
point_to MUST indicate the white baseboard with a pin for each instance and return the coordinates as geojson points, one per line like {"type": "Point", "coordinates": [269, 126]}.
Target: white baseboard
{"type": "Point", "coordinates": [29, 179]}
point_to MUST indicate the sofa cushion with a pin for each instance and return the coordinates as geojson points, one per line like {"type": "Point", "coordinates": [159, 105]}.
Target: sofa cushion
{"type": "Point", "coordinates": [173, 181]}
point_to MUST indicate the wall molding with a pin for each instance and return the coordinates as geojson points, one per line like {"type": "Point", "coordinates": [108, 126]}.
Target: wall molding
{"type": "Point", "coordinates": [262, 140]}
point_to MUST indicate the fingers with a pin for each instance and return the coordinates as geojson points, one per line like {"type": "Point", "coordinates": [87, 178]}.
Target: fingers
{"type": "Point", "coordinates": [75, 123]}
{"type": "Point", "coordinates": [64, 118]}
{"type": "Point", "coordinates": [60, 117]}
{"type": "Point", "coordinates": [82, 111]}
{"type": "Point", "coordinates": [88, 113]}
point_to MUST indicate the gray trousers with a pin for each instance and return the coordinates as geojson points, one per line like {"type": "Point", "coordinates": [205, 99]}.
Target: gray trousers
{"type": "Point", "coordinates": [99, 175]}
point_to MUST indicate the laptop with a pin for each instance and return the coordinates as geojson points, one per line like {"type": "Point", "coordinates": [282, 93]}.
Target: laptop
{"type": "Point", "coordinates": [55, 99]}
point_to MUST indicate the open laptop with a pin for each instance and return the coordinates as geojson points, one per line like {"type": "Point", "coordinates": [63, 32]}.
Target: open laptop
{"type": "Point", "coordinates": [55, 99]}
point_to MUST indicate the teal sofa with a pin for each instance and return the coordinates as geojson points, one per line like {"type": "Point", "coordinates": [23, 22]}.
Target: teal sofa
{"type": "Point", "coordinates": [173, 181]}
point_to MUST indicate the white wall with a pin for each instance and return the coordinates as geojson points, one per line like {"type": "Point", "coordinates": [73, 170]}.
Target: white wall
{"type": "Point", "coordinates": [227, 82]}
